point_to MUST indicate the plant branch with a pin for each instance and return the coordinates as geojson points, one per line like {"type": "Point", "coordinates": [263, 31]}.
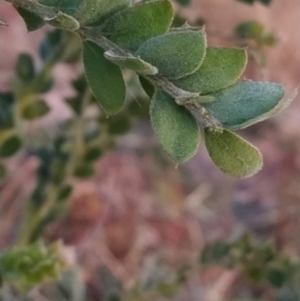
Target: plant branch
{"type": "Point", "coordinates": [191, 101]}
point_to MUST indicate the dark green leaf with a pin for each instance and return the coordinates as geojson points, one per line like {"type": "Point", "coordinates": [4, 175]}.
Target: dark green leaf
{"type": "Point", "coordinates": [130, 62]}
{"type": "Point", "coordinates": [119, 125]}
{"type": "Point", "coordinates": [92, 154]}
{"type": "Point", "coordinates": [244, 103]}
{"type": "Point", "coordinates": [32, 21]}
{"type": "Point", "coordinates": [51, 43]}
{"type": "Point", "coordinates": [214, 252]}
{"type": "Point", "coordinates": [131, 27]}
{"type": "Point", "coordinates": [104, 78]}
{"type": "Point", "coordinates": [66, 6]}
{"type": "Point", "coordinates": [64, 192]}
{"type": "Point", "coordinates": [75, 103]}
{"type": "Point", "coordinates": [276, 276]}
{"type": "Point", "coordinates": [25, 69]}
{"type": "Point", "coordinates": [35, 110]}
{"type": "Point", "coordinates": [255, 31]}
{"type": "Point", "coordinates": [96, 11]}
{"type": "Point", "coordinates": [175, 54]}
{"type": "Point", "coordinates": [221, 68]}
{"type": "Point", "coordinates": [7, 103]}
{"type": "Point", "coordinates": [174, 126]}
{"type": "Point", "coordinates": [3, 173]}
{"type": "Point", "coordinates": [10, 146]}
{"type": "Point", "coordinates": [48, 85]}
{"type": "Point", "coordinates": [232, 154]}
{"type": "Point", "coordinates": [147, 86]}
{"type": "Point", "coordinates": [84, 171]}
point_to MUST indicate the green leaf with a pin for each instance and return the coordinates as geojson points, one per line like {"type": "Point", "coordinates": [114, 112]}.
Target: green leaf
{"type": "Point", "coordinates": [104, 78]}
{"type": "Point", "coordinates": [3, 174]}
{"type": "Point", "coordinates": [64, 192]}
{"type": "Point", "coordinates": [119, 125]}
{"type": "Point", "coordinates": [244, 103]}
{"type": "Point", "coordinates": [31, 265]}
{"type": "Point", "coordinates": [232, 154]}
{"type": "Point", "coordinates": [92, 154]}
{"type": "Point", "coordinates": [134, 63]}
{"type": "Point", "coordinates": [75, 103]}
{"type": "Point", "coordinates": [32, 21]}
{"type": "Point", "coordinates": [131, 27]}
{"type": "Point", "coordinates": [221, 68]}
{"type": "Point", "coordinates": [25, 69]}
{"type": "Point", "coordinates": [10, 147]}
{"type": "Point", "coordinates": [147, 86]}
{"type": "Point", "coordinates": [255, 31]}
{"type": "Point", "coordinates": [175, 54]}
{"type": "Point", "coordinates": [176, 129]}
{"type": "Point", "coordinates": [215, 252]}
{"type": "Point", "coordinates": [7, 103]}
{"type": "Point", "coordinates": [66, 6]}
{"type": "Point", "coordinates": [35, 110]}
{"type": "Point", "coordinates": [277, 276]}
{"type": "Point", "coordinates": [95, 11]}
{"type": "Point", "coordinates": [84, 171]}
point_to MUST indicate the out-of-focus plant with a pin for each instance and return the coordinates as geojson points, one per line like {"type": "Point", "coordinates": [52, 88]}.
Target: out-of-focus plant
{"type": "Point", "coordinates": [259, 262]}
{"type": "Point", "coordinates": [194, 89]}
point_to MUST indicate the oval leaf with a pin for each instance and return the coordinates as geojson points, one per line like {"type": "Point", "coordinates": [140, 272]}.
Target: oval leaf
{"type": "Point", "coordinates": [25, 68]}
{"type": "Point", "coordinates": [175, 54]}
{"type": "Point", "coordinates": [35, 110]}
{"type": "Point", "coordinates": [95, 11]}
{"type": "Point", "coordinates": [134, 63]}
{"type": "Point", "coordinates": [232, 154]}
{"type": "Point", "coordinates": [104, 78]}
{"type": "Point", "coordinates": [176, 129]}
{"type": "Point", "coordinates": [10, 146]}
{"type": "Point", "coordinates": [131, 27]}
{"type": "Point", "coordinates": [244, 103]}
{"type": "Point", "coordinates": [32, 21]}
{"type": "Point", "coordinates": [221, 68]}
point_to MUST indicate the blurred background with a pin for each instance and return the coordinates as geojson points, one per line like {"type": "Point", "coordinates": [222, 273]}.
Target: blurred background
{"type": "Point", "coordinates": [128, 219]}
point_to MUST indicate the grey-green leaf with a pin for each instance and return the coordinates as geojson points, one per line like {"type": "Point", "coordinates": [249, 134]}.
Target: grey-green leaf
{"type": "Point", "coordinates": [221, 68]}
{"type": "Point", "coordinates": [175, 54]}
{"type": "Point", "coordinates": [131, 27]}
{"type": "Point", "coordinates": [96, 11]}
{"type": "Point", "coordinates": [176, 129]}
{"type": "Point", "coordinates": [104, 78]}
{"type": "Point", "coordinates": [66, 6]}
{"type": "Point", "coordinates": [32, 21]}
{"type": "Point", "coordinates": [131, 62]}
{"type": "Point", "coordinates": [244, 103]}
{"type": "Point", "coordinates": [35, 110]}
{"type": "Point", "coordinates": [232, 154]}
